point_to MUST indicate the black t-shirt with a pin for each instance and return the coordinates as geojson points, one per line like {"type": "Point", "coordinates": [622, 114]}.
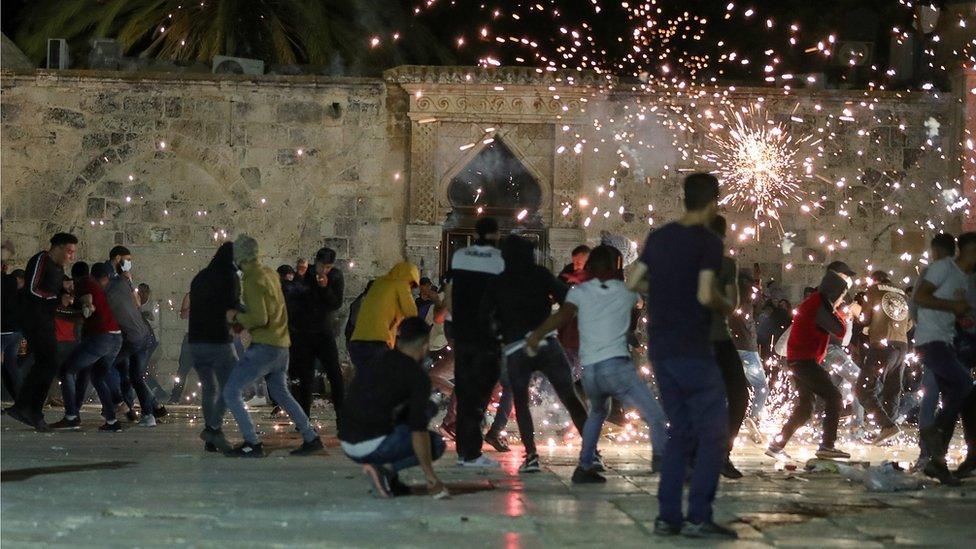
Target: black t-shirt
{"type": "Point", "coordinates": [391, 390]}
{"type": "Point", "coordinates": [471, 270]}
{"type": "Point", "coordinates": [678, 325]}
{"type": "Point", "coordinates": [520, 301]}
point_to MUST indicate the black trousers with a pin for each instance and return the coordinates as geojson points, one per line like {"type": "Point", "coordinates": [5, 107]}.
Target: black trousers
{"type": "Point", "coordinates": [736, 385]}
{"type": "Point", "coordinates": [882, 366]}
{"type": "Point", "coordinates": [33, 392]}
{"type": "Point", "coordinates": [810, 380]}
{"type": "Point", "coordinates": [476, 372]}
{"type": "Point", "coordinates": [305, 349]}
{"type": "Point", "coordinates": [551, 361]}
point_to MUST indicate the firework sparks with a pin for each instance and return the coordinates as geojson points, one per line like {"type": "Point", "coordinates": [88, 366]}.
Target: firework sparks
{"type": "Point", "coordinates": [759, 164]}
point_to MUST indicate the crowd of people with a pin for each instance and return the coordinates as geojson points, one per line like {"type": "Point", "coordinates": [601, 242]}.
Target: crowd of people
{"type": "Point", "coordinates": [714, 334]}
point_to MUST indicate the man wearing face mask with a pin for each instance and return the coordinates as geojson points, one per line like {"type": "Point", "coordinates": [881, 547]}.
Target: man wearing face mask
{"type": "Point", "coordinates": [133, 359]}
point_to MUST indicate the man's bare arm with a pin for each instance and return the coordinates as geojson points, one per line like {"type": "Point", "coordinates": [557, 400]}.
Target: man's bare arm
{"type": "Point", "coordinates": [555, 321]}
{"type": "Point", "coordinates": [637, 278]}
{"type": "Point", "coordinates": [925, 297]}
{"type": "Point", "coordinates": [708, 294]}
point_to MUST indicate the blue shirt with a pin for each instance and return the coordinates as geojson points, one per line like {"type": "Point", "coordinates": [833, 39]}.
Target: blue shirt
{"type": "Point", "coordinates": [678, 325]}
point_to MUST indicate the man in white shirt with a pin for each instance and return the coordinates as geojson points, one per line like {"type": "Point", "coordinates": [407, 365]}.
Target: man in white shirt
{"type": "Point", "coordinates": [941, 297]}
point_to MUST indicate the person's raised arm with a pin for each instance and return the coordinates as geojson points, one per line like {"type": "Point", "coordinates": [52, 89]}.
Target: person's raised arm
{"type": "Point", "coordinates": [637, 278]}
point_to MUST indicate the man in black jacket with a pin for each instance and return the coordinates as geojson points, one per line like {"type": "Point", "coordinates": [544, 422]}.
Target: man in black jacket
{"type": "Point", "coordinates": [312, 301]}
{"type": "Point", "coordinates": [516, 303]}
{"type": "Point", "coordinates": [214, 291]}
{"type": "Point", "coordinates": [44, 278]}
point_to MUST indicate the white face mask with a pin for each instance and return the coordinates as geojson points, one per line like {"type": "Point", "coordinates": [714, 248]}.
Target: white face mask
{"type": "Point", "coordinates": [126, 265]}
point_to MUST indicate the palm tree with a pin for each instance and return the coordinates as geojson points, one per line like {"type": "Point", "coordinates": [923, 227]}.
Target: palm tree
{"type": "Point", "coordinates": [313, 32]}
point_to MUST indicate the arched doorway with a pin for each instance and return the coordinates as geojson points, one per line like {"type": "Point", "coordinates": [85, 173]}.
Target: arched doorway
{"type": "Point", "coordinates": [494, 183]}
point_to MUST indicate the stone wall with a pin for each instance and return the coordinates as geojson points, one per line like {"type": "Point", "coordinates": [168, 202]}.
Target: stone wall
{"type": "Point", "coordinates": [168, 165]}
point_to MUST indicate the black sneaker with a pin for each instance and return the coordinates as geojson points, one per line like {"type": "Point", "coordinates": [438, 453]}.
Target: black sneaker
{"type": "Point", "coordinates": [214, 438]}
{"type": "Point", "coordinates": [598, 464]}
{"type": "Point", "coordinates": [708, 530]}
{"type": "Point", "coordinates": [28, 419]}
{"type": "Point", "coordinates": [831, 453]}
{"type": "Point", "coordinates": [665, 528]}
{"type": "Point", "coordinates": [111, 427]}
{"type": "Point", "coordinates": [246, 450]}
{"type": "Point", "coordinates": [587, 476]}
{"type": "Point", "coordinates": [66, 424]}
{"type": "Point", "coordinates": [729, 471]}
{"type": "Point", "coordinates": [935, 441]}
{"type": "Point", "coordinates": [968, 467]}
{"type": "Point", "coordinates": [497, 443]}
{"type": "Point", "coordinates": [397, 487]}
{"type": "Point", "coordinates": [131, 415]}
{"type": "Point", "coordinates": [308, 447]}
{"type": "Point", "coordinates": [210, 447]}
{"type": "Point", "coordinates": [159, 411]}
{"type": "Point", "coordinates": [656, 461]}
{"type": "Point", "coordinates": [378, 480]}
{"type": "Point", "coordinates": [937, 469]}
{"type": "Point", "coordinates": [530, 465]}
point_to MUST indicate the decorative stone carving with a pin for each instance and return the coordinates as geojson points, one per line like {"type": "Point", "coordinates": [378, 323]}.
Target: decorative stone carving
{"type": "Point", "coordinates": [423, 203]}
{"type": "Point", "coordinates": [422, 248]}
{"type": "Point", "coordinates": [523, 76]}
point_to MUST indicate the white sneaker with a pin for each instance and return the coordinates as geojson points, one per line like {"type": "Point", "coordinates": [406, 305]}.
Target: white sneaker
{"type": "Point", "coordinates": [482, 462]}
{"type": "Point", "coordinates": [147, 421]}
{"type": "Point", "coordinates": [257, 401]}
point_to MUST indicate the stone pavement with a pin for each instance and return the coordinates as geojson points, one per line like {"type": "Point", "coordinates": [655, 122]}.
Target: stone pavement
{"type": "Point", "coordinates": [157, 488]}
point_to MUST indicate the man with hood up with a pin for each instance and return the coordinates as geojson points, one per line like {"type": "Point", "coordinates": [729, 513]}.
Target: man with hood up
{"type": "Point", "coordinates": [214, 291]}
{"type": "Point", "coordinates": [388, 301]}
{"type": "Point", "coordinates": [815, 321]}
{"type": "Point", "coordinates": [264, 315]}
{"type": "Point", "coordinates": [517, 302]}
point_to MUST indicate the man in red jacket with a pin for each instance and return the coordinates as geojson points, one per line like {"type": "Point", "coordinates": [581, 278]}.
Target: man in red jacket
{"type": "Point", "coordinates": [815, 321]}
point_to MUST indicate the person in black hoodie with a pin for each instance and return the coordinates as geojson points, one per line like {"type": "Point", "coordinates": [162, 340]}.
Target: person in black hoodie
{"type": "Point", "coordinates": [517, 302]}
{"type": "Point", "coordinates": [312, 301]}
{"type": "Point", "coordinates": [213, 291]}
{"type": "Point", "coordinates": [39, 301]}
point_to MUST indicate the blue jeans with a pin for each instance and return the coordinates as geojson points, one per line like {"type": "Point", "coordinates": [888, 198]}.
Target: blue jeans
{"type": "Point", "coordinates": [693, 395]}
{"type": "Point", "coordinates": [844, 374]}
{"type": "Point", "coordinates": [617, 378]}
{"type": "Point", "coordinates": [928, 406]}
{"type": "Point", "coordinates": [185, 365]}
{"type": "Point", "coordinates": [397, 450]}
{"type": "Point", "coordinates": [954, 382]}
{"type": "Point", "coordinates": [98, 353]}
{"type": "Point", "coordinates": [752, 365]}
{"type": "Point", "coordinates": [213, 362]}
{"type": "Point", "coordinates": [133, 363]}
{"type": "Point", "coordinates": [271, 363]}
{"type": "Point", "coordinates": [504, 405]}
{"type": "Point", "coordinates": [11, 374]}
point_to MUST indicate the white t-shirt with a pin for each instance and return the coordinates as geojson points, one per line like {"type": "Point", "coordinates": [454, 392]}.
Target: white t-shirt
{"type": "Point", "coordinates": [604, 318]}
{"type": "Point", "coordinates": [950, 283]}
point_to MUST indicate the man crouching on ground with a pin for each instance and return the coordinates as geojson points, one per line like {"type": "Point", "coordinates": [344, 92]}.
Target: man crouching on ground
{"type": "Point", "coordinates": [386, 412]}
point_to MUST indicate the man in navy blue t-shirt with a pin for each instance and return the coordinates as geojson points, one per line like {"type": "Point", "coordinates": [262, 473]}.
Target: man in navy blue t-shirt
{"type": "Point", "coordinates": [677, 270]}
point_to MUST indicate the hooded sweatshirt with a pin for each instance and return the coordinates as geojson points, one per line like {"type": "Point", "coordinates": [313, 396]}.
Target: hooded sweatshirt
{"type": "Point", "coordinates": [816, 321]}
{"type": "Point", "coordinates": [386, 304]}
{"type": "Point", "coordinates": [214, 291]}
{"type": "Point", "coordinates": [520, 299]}
{"type": "Point", "coordinates": [264, 313]}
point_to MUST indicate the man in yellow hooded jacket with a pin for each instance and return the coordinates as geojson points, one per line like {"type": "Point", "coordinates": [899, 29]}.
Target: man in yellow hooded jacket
{"type": "Point", "coordinates": [264, 315]}
{"type": "Point", "coordinates": [387, 303]}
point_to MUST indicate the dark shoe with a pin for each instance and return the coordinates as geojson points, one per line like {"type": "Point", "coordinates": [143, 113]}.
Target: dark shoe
{"type": "Point", "coordinates": [246, 450]}
{"type": "Point", "coordinates": [729, 471]}
{"type": "Point", "coordinates": [665, 528]}
{"type": "Point", "coordinates": [598, 464]}
{"type": "Point", "coordinates": [275, 411]}
{"type": "Point", "coordinates": [498, 444]}
{"type": "Point", "coordinates": [23, 417]}
{"type": "Point", "coordinates": [111, 427]}
{"type": "Point", "coordinates": [967, 467]}
{"type": "Point", "coordinates": [309, 447]}
{"type": "Point", "coordinates": [378, 480]}
{"type": "Point", "coordinates": [160, 411]}
{"type": "Point", "coordinates": [530, 465]}
{"type": "Point", "coordinates": [832, 453]}
{"type": "Point", "coordinates": [215, 438]}
{"type": "Point", "coordinates": [885, 435]}
{"type": "Point", "coordinates": [131, 415]}
{"type": "Point", "coordinates": [210, 447]}
{"type": "Point", "coordinates": [708, 530]}
{"type": "Point", "coordinates": [397, 488]}
{"type": "Point", "coordinates": [937, 469]}
{"type": "Point", "coordinates": [66, 424]}
{"type": "Point", "coordinates": [587, 476]}
{"type": "Point", "coordinates": [656, 461]}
